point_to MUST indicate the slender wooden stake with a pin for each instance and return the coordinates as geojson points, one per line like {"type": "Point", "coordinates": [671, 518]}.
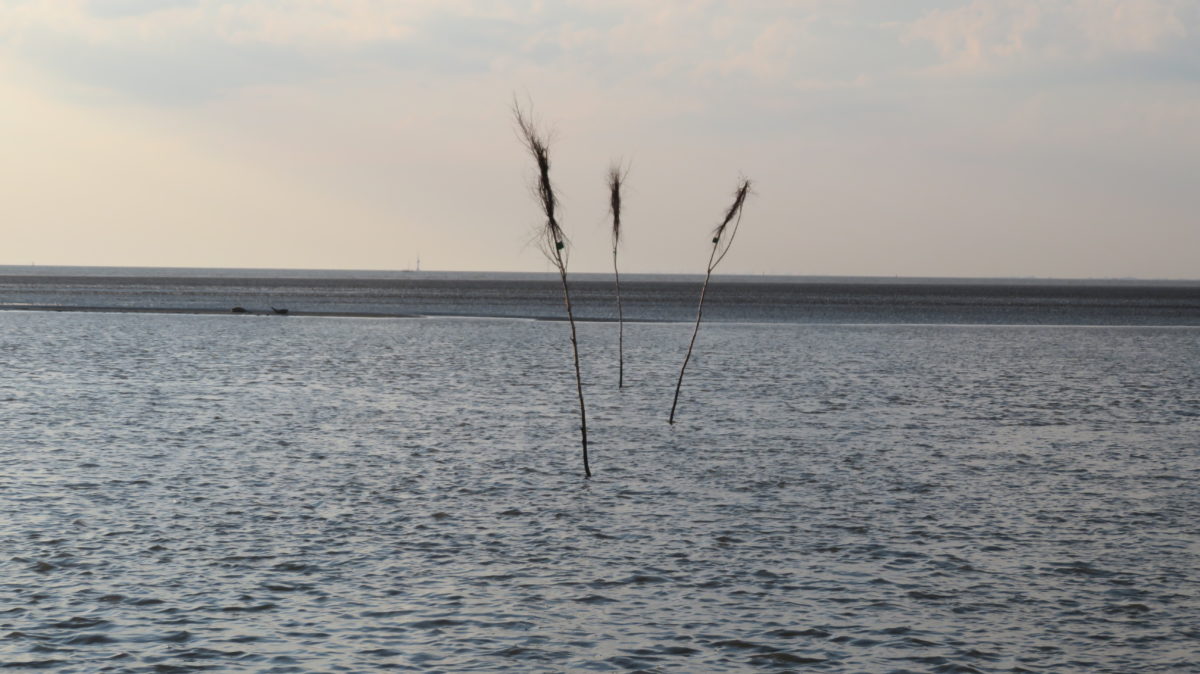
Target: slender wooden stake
{"type": "Point", "coordinates": [562, 270]}
{"type": "Point", "coordinates": [620, 327]}
{"type": "Point", "coordinates": [616, 178]}
{"type": "Point", "coordinates": [719, 250]}
{"type": "Point", "coordinates": [692, 344]}
{"type": "Point", "coordinates": [554, 244]}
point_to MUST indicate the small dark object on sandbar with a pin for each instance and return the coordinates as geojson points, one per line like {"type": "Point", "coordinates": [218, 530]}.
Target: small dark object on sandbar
{"type": "Point", "coordinates": [281, 312]}
{"type": "Point", "coordinates": [238, 310]}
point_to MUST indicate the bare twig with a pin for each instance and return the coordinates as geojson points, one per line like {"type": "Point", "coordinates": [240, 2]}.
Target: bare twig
{"type": "Point", "coordinates": [721, 244]}
{"type": "Point", "coordinates": [616, 178]}
{"type": "Point", "coordinates": [554, 244]}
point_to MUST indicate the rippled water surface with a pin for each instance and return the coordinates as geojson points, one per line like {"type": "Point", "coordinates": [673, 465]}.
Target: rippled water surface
{"type": "Point", "coordinates": [647, 297]}
{"type": "Point", "coordinates": [185, 492]}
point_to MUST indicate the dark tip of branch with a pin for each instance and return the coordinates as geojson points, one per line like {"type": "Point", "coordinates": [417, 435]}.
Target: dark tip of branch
{"type": "Point", "coordinates": [739, 198]}
{"type": "Point", "coordinates": [616, 178]}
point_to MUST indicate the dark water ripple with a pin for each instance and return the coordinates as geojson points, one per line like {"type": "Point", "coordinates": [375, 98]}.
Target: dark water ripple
{"type": "Point", "coordinates": [204, 493]}
{"type": "Point", "coordinates": [652, 297]}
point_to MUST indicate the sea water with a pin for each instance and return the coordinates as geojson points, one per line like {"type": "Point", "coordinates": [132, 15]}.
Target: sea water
{"type": "Point", "coordinates": [646, 297]}
{"type": "Point", "coordinates": [187, 491]}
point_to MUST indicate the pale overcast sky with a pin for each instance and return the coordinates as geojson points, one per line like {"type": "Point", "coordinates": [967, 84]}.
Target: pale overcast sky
{"type": "Point", "coordinates": [918, 138]}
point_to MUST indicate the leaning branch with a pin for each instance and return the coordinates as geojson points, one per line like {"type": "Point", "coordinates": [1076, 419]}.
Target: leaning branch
{"type": "Point", "coordinates": [723, 236]}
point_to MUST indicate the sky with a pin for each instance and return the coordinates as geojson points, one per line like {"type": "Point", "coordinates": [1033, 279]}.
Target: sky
{"type": "Point", "coordinates": [970, 138]}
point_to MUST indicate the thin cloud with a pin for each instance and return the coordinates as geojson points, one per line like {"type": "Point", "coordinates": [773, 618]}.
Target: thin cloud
{"type": "Point", "coordinates": [162, 50]}
{"type": "Point", "coordinates": [871, 154]}
{"type": "Point", "coordinates": [988, 36]}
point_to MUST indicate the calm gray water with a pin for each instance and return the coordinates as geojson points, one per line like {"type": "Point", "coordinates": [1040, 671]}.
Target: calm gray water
{"type": "Point", "coordinates": [233, 493]}
{"type": "Point", "coordinates": [647, 297]}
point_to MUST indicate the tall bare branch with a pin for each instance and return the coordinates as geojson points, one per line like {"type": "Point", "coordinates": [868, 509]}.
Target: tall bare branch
{"type": "Point", "coordinates": [554, 244]}
{"type": "Point", "coordinates": [616, 179]}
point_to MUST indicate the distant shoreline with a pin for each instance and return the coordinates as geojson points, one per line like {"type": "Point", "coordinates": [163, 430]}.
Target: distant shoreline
{"type": "Point", "coordinates": [270, 313]}
{"type": "Point", "coordinates": [647, 298]}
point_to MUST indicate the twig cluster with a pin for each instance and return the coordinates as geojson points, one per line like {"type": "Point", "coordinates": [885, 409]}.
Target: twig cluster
{"type": "Point", "coordinates": [555, 246]}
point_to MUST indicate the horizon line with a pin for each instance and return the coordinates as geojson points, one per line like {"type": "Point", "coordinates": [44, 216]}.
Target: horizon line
{"type": "Point", "coordinates": [437, 272]}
